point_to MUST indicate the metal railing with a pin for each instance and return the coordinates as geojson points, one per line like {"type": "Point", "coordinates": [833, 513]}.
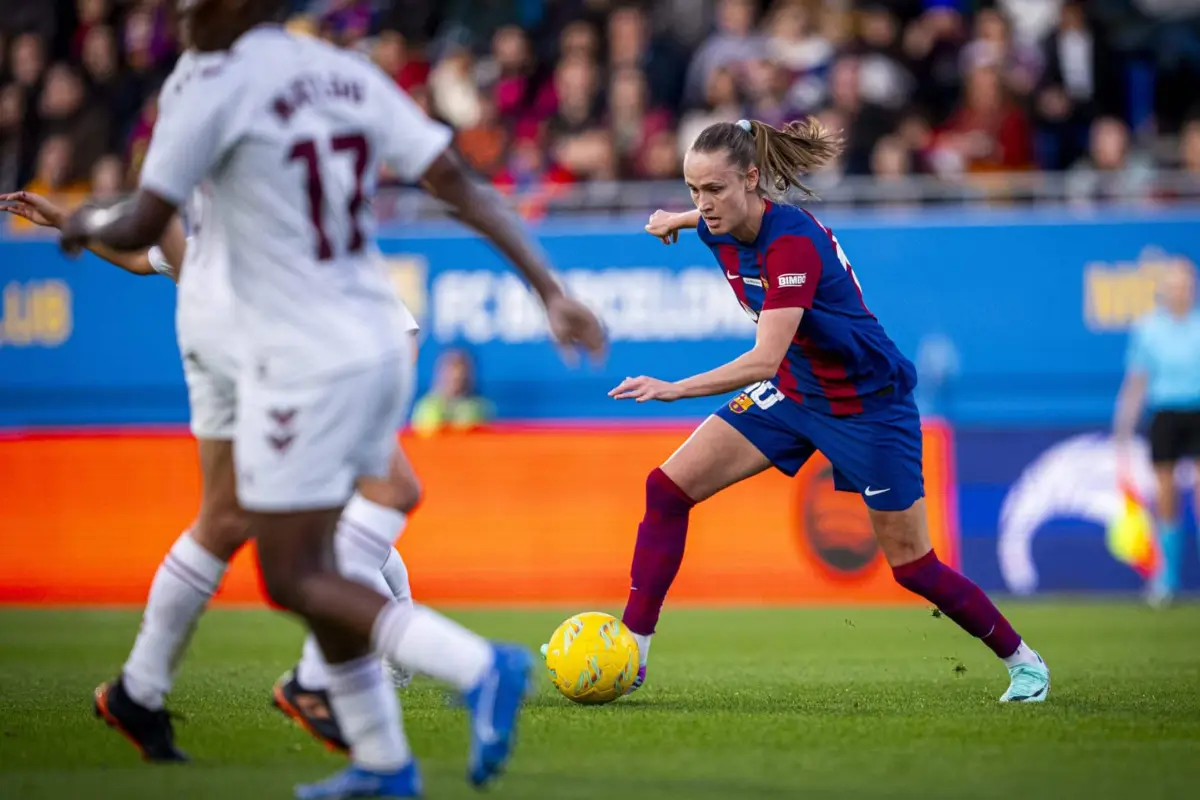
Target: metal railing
{"type": "Point", "coordinates": [1000, 190]}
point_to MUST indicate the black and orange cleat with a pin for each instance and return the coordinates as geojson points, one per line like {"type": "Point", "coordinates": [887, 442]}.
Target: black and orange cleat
{"type": "Point", "coordinates": [310, 710]}
{"type": "Point", "coordinates": [149, 731]}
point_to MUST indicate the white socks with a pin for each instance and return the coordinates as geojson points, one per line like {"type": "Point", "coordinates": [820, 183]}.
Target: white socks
{"type": "Point", "coordinates": [369, 714]}
{"type": "Point", "coordinates": [182, 586]}
{"type": "Point", "coordinates": [1023, 655]}
{"type": "Point", "coordinates": [396, 574]}
{"type": "Point", "coordinates": [643, 647]}
{"type": "Point", "coordinates": [422, 640]}
{"type": "Point", "coordinates": [364, 552]}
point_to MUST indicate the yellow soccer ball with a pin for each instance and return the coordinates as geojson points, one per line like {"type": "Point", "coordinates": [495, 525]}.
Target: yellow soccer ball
{"type": "Point", "coordinates": [592, 658]}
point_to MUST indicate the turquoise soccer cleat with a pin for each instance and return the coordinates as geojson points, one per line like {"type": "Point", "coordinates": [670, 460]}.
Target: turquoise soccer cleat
{"type": "Point", "coordinates": [1029, 683]}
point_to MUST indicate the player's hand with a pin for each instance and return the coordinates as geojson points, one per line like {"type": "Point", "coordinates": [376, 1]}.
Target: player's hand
{"type": "Point", "coordinates": [662, 224]}
{"type": "Point", "coordinates": [642, 389]}
{"type": "Point", "coordinates": [575, 326]}
{"type": "Point", "coordinates": [33, 207]}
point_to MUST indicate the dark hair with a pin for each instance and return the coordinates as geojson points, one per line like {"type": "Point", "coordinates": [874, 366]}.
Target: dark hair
{"type": "Point", "coordinates": [781, 156]}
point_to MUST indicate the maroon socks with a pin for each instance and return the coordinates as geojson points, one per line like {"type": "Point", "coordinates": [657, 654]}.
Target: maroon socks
{"type": "Point", "coordinates": [658, 553]}
{"type": "Point", "coordinates": [960, 600]}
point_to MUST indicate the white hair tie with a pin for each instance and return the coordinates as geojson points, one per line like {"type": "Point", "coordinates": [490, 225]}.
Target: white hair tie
{"type": "Point", "coordinates": [744, 124]}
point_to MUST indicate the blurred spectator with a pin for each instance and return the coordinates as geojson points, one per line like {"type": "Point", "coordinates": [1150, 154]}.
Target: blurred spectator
{"type": "Point", "coordinates": [394, 57]}
{"type": "Point", "coordinates": [734, 42]}
{"type": "Point", "coordinates": [52, 177]}
{"type": "Point", "coordinates": [1109, 170]}
{"type": "Point", "coordinates": [12, 137]}
{"type": "Point", "coordinates": [92, 14]}
{"type": "Point", "coordinates": [453, 403]}
{"type": "Point", "coordinates": [1018, 63]}
{"type": "Point", "coordinates": [661, 59]}
{"type": "Point", "coordinates": [1081, 80]}
{"type": "Point", "coordinates": [660, 157]}
{"type": "Point", "coordinates": [932, 44]}
{"type": "Point", "coordinates": [27, 60]}
{"type": "Point", "coordinates": [766, 87]}
{"type": "Point", "coordinates": [529, 167]}
{"type": "Point", "coordinates": [507, 73]}
{"type": "Point", "coordinates": [453, 89]}
{"type": "Point", "coordinates": [590, 155]}
{"type": "Point", "coordinates": [862, 122]}
{"type": "Point", "coordinates": [63, 109]}
{"type": "Point", "coordinates": [1032, 20]}
{"type": "Point", "coordinates": [884, 81]}
{"type": "Point", "coordinates": [575, 94]}
{"type": "Point", "coordinates": [722, 104]}
{"type": "Point", "coordinates": [108, 177]}
{"type": "Point", "coordinates": [988, 132]}
{"type": "Point", "coordinates": [630, 121]}
{"type": "Point", "coordinates": [482, 145]}
{"type": "Point", "coordinates": [346, 21]}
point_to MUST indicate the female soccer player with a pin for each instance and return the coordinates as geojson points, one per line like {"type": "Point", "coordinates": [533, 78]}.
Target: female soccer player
{"type": "Point", "coordinates": [822, 375]}
{"type": "Point", "coordinates": [195, 565]}
{"type": "Point", "coordinates": [1163, 373]}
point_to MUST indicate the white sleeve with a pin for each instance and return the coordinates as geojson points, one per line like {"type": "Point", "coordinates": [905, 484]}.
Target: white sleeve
{"type": "Point", "coordinates": [195, 129]}
{"type": "Point", "coordinates": [411, 140]}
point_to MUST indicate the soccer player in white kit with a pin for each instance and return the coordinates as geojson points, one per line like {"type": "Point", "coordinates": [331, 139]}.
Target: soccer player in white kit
{"type": "Point", "coordinates": [192, 570]}
{"type": "Point", "coordinates": [291, 132]}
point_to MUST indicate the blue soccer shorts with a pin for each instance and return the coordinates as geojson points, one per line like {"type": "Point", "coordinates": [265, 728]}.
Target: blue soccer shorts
{"type": "Point", "coordinates": [876, 454]}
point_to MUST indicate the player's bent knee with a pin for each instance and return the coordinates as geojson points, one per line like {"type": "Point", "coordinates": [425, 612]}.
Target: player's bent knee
{"type": "Point", "coordinates": [222, 533]}
{"type": "Point", "coordinates": [402, 493]}
{"type": "Point", "coordinates": [903, 536]}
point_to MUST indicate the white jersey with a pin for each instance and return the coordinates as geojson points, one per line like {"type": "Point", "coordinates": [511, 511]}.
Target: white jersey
{"type": "Point", "coordinates": [290, 133]}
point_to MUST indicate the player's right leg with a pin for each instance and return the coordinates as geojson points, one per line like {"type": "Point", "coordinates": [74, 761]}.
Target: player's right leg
{"type": "Point", "coordinates": [878, 455]}
{"type": "Point", "coordinates": [188, 576]}
{"type": "Point", "coordinates": [739, 441]}
{"type": "Point", "coordinates": [363, 546]}
{"type": "Point", "coordinates": [369, 526]}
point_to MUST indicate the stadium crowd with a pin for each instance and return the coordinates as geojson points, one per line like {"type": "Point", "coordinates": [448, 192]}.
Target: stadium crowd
{"type": "Point", "coordinates": [546, 93]}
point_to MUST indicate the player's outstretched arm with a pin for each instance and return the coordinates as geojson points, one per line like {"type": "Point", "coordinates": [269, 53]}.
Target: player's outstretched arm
{"type": "Point", "coordinates": [666, 225]}
{"type": "Point", "coordinates": [43, 211]}
{"type": "Point", "coordinates": [776, 328]}
{"type": "Point", "coordinates": [134, 224]}
{"type": "Point", "coordinates": [481, 207]}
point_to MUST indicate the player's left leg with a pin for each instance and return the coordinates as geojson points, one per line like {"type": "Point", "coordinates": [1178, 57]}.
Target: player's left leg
{"type": "Point", "coordinates": [878, 454]}
{"type": "Point", "coordinates": [904, 538]}
{"type": "Point", "coordinates": [189, 574]}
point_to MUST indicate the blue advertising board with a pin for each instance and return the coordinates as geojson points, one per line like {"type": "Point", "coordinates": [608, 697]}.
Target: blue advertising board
{"type": "Point", "coordinates": [1035, 504]}
{"type": "Point", "coordinates": [1014, 318]}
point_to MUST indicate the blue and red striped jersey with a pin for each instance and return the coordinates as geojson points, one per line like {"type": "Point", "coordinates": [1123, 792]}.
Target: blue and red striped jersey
{"type": "Point", "coordinates": [841, 361]}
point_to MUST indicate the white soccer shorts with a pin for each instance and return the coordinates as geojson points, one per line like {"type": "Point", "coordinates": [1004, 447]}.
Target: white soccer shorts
{"type": "Point", "coordinates": [211, 371]}
{"type": "Point", "coordinates": [302, 445]}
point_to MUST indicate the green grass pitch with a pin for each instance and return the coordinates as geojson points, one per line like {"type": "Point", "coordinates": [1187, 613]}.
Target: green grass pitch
{"type": "Point", "coordinates": [814, 703]}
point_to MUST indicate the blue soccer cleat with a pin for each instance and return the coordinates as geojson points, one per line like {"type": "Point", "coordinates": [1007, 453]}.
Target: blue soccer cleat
{"type": "Point", "coordinates": [1029, 683]}
{"type": "Point", "coordinates": [494, 706]}
{"type": "Point", "coordinates": [358, 782]}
